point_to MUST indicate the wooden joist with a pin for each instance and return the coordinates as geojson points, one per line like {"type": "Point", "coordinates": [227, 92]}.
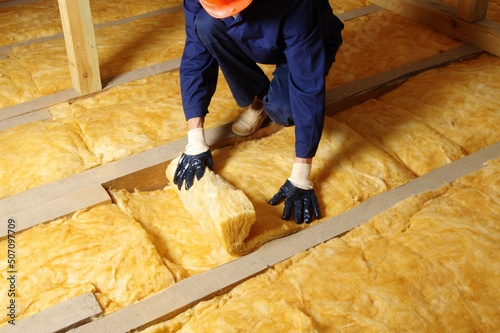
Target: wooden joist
{"type": "Point", "coordinates": [80, 45]}
{"type": "Point", "coordinates": [12, 3]}
{"type": "Point", "coordinates": [354, 93]}
{"type": "Point", "coordinates": [484, 34]}
{"type": "Point", "coordinates": [58, 318]}
{"type": "Point", "coordinates": [42, 114]}
{"type": "Point", "coordinates": [85, 197]}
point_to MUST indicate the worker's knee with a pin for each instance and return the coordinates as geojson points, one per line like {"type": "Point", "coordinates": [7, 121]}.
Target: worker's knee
{"type": "Point", "coordinates": [278, 108]}
{"type": "Point", "coordinates": [209, 29]}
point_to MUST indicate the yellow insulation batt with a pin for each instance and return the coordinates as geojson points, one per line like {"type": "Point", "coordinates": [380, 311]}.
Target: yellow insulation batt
{"type": "Point", "coordinates": [40, 152]}
{"type": "Point", "coordinates": [101, 250]}
{"type": "Point", "coordinates": [223, 211]}
{"type": "Point", "coordinates": [16, 85]}
{"type": "Point", "coordinates": [380, 41]}
{"type": "Point", "coordinates": [429, 264]}
{"type": "Point", "coordinates": [402, 134]}
{"type": "Point", "coordinates": [176, 235]}
{"type": "Point", "coordinates": [460, 101]}
{"type": "Point", "coordinates": [140, 115]}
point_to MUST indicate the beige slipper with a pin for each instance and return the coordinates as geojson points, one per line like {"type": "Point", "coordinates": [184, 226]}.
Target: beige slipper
{"type": "Point", "coordinates": [250, 121]}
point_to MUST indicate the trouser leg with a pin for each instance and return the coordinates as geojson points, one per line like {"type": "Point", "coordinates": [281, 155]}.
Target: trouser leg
{"type": "Point", "coordinates": [244, 77]}
{"type": "Point", "coordinates": [277, 102]}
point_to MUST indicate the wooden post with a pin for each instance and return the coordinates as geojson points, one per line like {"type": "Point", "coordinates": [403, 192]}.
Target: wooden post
{"type": "Point", "coordinates": [80, 45]}
{"type": "Point", "coordinates": [472, 10]}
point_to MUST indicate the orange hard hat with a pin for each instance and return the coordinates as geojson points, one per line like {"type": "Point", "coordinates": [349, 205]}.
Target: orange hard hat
{"type": "Point", "coordinates": [224, 8]}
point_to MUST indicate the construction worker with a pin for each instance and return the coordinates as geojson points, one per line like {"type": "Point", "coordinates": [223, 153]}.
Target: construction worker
{"type": "Point", "coordinates": [301, 37]}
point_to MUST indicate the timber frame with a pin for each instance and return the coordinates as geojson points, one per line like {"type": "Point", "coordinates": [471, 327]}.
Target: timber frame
{"type": "Point", "coordinates": [145, 171]}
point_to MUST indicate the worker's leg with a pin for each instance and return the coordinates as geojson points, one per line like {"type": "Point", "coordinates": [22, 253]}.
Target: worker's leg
{"type": "Point", "coordinates": [244, 77]}
{"type": "Point", "coordinates": [277, 101]}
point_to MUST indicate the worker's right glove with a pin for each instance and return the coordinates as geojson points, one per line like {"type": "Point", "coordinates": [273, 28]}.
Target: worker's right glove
{"type": "Point", "coordinates": [193, 161]}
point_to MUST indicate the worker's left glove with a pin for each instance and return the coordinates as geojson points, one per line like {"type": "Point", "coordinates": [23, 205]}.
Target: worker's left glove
{"type": "Point", "coordinates": [193, 161]}
{"type": "Point", "coordinates": [299, 195]}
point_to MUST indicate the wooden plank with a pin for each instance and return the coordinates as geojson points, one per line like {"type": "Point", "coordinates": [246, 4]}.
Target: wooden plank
{"type": "Point", "coordinates": [58, 318]}
{"type": "Point", "coordinates": [37, 104]}
{"type": "Point", "coordinates": [484, 34]}
{"type": "Point", "coordinates": [472, 10]}
{"type": "Point", "coordinates": [355, 13]}
{"type": "Point", "coordinates": [350, 94]}
{"type": "Point", "coordinates": [80, 45]}
{"type": "Point", "coordinates": [9, 3]}
{"type": "Point", "coordinates": [186, 293]}
{"type": "Point", "coordinates": [42, 114]}
{"type": "Point", "coordinates": [137, 74]}
{"type": "Point", "coordinates": [53, 209]}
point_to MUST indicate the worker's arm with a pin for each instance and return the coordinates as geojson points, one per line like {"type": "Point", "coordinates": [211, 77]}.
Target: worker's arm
{"type": "Point", "coordinates": [198, 70]}
{"type": "Point", "coordinates": [305, 54]}
{"type": "Point", "coordinates": [198, 79]}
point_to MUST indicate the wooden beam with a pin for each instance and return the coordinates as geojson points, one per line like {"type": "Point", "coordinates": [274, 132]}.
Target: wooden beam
{"type": "Point", "coordinates": [484, 34]}
{"type": "Point", "coordinates": [10, 3]}
{"type": "Point", "coordinates": [58, 318]}
{"type": "Point", "coordinates": [80, 45]}
{"type": "Point", "coordinates": [188, 292]}
{"type": "Point", "coordinates": [472, 10]}
{"type": "Point", "coordinates": [358, 12]}
{"type": "Point", "coordinates": [42, 114]}
{"type": "Point", "coordinates": [37, 104]}
{"type": "Point", "coordinates": [49, 210]}
{"type": "Point", "coordinates": [353, 93]}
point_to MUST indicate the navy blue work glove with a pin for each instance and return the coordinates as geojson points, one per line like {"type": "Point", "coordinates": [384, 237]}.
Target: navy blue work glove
{"type": "Point", "coordinates": [304, 203]}
{"type": "Point", "coordinates": [191, 165]}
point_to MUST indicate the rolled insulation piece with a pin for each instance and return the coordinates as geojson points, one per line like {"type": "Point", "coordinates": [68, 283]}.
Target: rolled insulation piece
{"type": "Point", "coordinates": [223, 211]}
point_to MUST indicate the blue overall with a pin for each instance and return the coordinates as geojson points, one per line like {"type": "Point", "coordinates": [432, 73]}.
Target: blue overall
{"type": "Point", "coordinates": [301, 37]}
